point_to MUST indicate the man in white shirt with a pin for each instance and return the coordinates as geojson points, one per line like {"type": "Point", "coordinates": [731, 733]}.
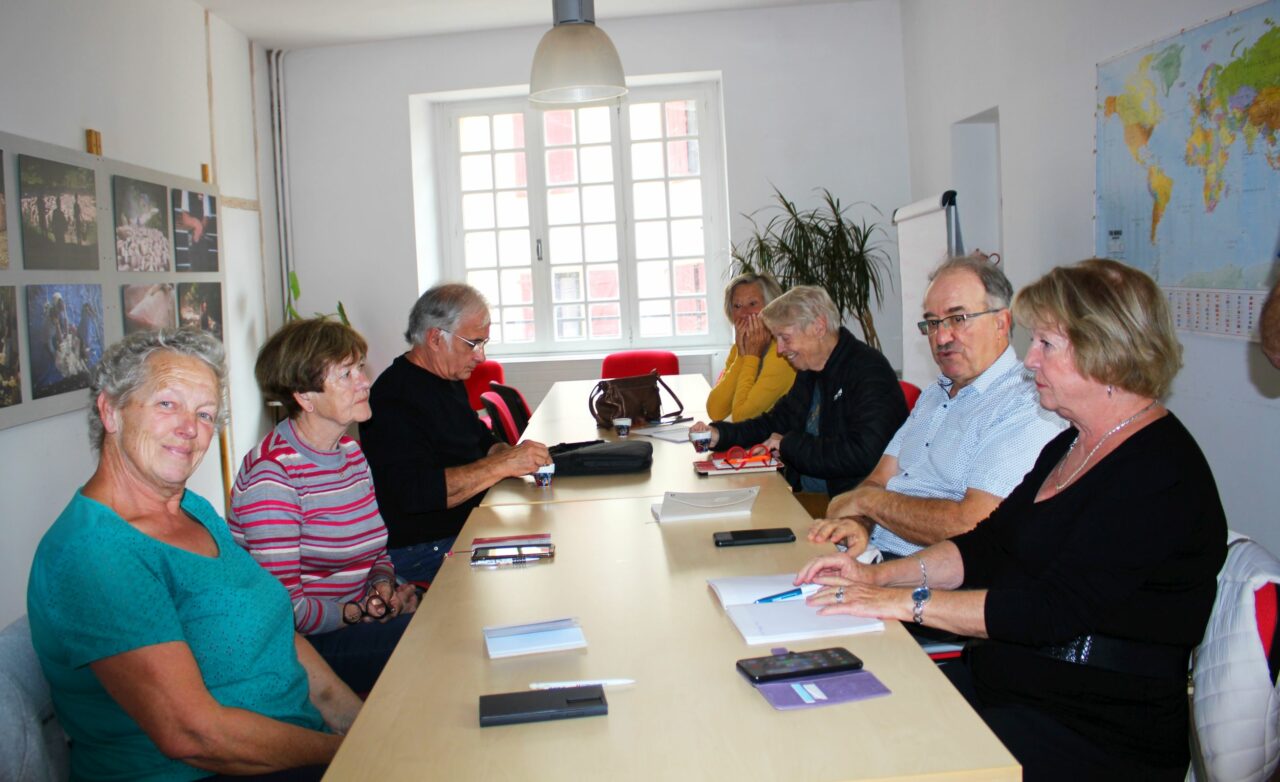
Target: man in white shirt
{"type": "Point", "coordinates": [972, 435]}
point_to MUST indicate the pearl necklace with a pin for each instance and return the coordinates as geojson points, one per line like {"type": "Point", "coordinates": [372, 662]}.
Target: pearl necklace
{"type": "Point", "coordinates": [1060, 486]}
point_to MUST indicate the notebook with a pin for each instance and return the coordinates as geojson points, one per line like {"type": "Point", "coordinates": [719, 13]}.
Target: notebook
{"type": "Point", "coordinates": [782, 620]}
{"type": "Point", "coordinates": [535, 637]}
{"type": "Point", "coordinates": [689, 505]}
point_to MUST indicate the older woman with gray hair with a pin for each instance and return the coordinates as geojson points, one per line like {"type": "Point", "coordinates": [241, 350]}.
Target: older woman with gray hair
{"type": "Point", "coordinates": [755, 376]}
{"type": "Point", "coordinates": [170, 653]}
{"type": "Point", "coordinates": [432, 458]}
{"type": "Point", "coordinates": [832, 426]}
{"type": "Point", "coordinates": [1094, 579]}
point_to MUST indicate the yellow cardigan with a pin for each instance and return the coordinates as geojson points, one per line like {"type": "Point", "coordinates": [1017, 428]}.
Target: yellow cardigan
{"type": "Point", "coordinates": [745, 389]}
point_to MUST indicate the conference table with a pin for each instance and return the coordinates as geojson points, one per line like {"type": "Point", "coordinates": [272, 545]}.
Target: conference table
{"type": "Point", "coordinates": [639, 590]}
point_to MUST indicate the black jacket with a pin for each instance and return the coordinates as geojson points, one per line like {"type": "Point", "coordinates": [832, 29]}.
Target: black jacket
{"type": "Point", "coordinates": [862, 408]}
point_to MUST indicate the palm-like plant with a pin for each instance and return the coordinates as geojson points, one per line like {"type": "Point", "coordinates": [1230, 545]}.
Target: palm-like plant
{"type": "Point", "coordinates": [822, 247]}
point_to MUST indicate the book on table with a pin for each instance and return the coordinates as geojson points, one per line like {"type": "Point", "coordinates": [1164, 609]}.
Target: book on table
{"type": "Point", "coordinates": [690, 505]}
{"type": "Point", "coordinates": [553, 635]}
{"type": "Point", "coordinates": [737, 461]}
{"type": "Point", "coordinates": [788, 619]}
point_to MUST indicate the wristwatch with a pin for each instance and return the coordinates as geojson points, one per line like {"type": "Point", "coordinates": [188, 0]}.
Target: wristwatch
{"type": "Point", "coordinates": [921, 594]}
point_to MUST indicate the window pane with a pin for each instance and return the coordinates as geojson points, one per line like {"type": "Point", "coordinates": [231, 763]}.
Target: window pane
{"type": "Point", "coordinates": [513, 248]}
{"type": "Point", "coordinates": [477, 211]}
{"type": "Point", "coordinates": [686, 237]}
{"type": "Point", "coordinates": [566, 284]}
{"type": "Point", "coordinates": [649, 200]}
{"type": "Point", "coordinates": [651, 239]}
{"type": "Point", "coordinates": [655, 318]}
{"type": "Point", "coordinates": [486, 282]}
{"type": "Point", "coordinates": [597, 164]}
{"type": "Point", "coordinates": [562, 167]}
{"type": "Point", "coordinates": [508, 131]}
{"type": "Point", "coordinates": [682, 158]}
{"type": "Point", "coordinates": [691, 277]}
{"type": "Point", "coordinates": [558, 127]}
{"type": "Point", "coordinates": [477, 173]}
{"type": "Point", "coordinates": [509, 169]}
{"type": "Point", "coordinates": [473, 134]}
{"type": "Point", "coordinates": [517, 286]}
{"type": "Point", "coordinates": [686, 197]}
{"type": "Point", "coordinates": [606, 321]}
{"type": "Point", "coordinates": [646, 121]}
{"type": "Point", "coordinates": [593, 125]}
{"type": "Point", "coordinates": [600, 242]}
{"type": "Point", "coordinates": [682, 118]}
{"type": "Point", "coordinates": [602, 281]}
{"type": "Point", "coordinates": [646, 160]}
{"type": "Point", "coordinates": [597, 204]}
{"type": "Point", "coordinates": [653, 279]}
{"type": "Point", "coordinates": [562, 206]}
{"type": "Point", "coordinates": [479, 250]}
{"type": "Point", "coordinates": [570, 322]}
{"type": "Point", "coordinates": [566, 244]}
{"type": "Point", "coordinates": [691, 316]}
{"type": "Point", "coordinates": [513, 208]}
{"type": "Point", "coordinates": [517, 324]}
{"type": "Point", "coordinates": [495, 331]}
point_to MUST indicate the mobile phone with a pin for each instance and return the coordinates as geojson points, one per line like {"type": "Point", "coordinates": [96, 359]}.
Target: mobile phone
{"type": "Point", "coordinates": [751, 537]}
{"type": "Point", "coordinates": [511, 555]}
{"type": "Point", "coordinates": [793, 665]}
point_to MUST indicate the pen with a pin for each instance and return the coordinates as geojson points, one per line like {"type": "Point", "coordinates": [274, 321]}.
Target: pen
{"type": "Point", "coordinates": [583, 683]}
{"type": "Point", "coordinates": [800, 591]}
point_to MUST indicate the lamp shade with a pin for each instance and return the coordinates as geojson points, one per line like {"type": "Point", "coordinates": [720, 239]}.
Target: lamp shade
{"type": "Point", "coordinates": [576, 63]}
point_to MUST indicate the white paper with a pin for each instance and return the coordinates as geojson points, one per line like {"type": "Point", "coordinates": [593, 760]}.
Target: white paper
{"type": "Point", "coordinates": [550, 636]}
{"type": "Point", "coordinates": [794, 620]}
{"type": "Point", "coordinates": [688, 505]}
{"type": "Point", "coordinates": [672, 434]}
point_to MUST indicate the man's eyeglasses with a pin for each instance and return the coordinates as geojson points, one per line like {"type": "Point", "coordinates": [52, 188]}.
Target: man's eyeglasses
{"type": "Point", "coordinates": [475, 345]}
{"type": "Point", "coordinates": [957, 322]}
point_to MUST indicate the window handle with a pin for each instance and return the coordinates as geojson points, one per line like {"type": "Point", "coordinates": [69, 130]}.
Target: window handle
{"type": "Point", "coordinates": [539, 249]}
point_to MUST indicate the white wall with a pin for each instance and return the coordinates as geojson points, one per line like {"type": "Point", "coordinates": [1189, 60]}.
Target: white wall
{"type": "Point", "coordinates": [1036, 62]}
{"type": "Point", "coordinates": [813, 97]}
{"type": "Point", "coordinates": [136, 72]}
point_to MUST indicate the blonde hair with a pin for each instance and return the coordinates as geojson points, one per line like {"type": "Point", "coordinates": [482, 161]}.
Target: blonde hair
{"type": "Point", "coordinates": [801, 307]}
{"type": "Point", "coordinates": [1116, 318]}
{"type": "Point", "coordinates": [769, 289]}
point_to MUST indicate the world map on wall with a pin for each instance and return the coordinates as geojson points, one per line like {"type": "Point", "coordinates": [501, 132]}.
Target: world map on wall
{"type": "Point", "coordinates": [1188, 154]}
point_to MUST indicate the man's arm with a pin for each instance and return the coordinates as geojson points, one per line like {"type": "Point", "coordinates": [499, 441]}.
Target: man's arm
{"type": "Point", "coordinates": [466, 481]}
{"type": "Point", "coordinates": [920, 520]}
{"type": "Point", "coordinates": [161, 688]}
{"type": "Point", "coordinates": [1270, 326]}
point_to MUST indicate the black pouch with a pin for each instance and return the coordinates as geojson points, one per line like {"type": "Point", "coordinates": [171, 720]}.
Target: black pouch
{"type": "Point", "coordinates": [601, 458]}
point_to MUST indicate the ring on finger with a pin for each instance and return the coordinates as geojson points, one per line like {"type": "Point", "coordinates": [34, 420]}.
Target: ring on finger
{"type": "Point", "coordinates": [840, 594]}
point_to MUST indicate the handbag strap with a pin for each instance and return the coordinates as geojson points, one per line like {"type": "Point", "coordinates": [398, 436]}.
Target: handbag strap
{"type": "Point", "coordinates": [679, 404]}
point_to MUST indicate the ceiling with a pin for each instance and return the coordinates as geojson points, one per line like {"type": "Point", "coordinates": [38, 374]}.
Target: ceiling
{"type": "Point", "coordinates": [294, 24]}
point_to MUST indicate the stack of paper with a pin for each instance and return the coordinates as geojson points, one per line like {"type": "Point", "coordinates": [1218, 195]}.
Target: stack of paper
{"type": "Point", "coordinates": [688, 505]}
{"type": "Point", "coordinates": [550, 636]}
{"type": "Point", "coordinates": [782, 620]}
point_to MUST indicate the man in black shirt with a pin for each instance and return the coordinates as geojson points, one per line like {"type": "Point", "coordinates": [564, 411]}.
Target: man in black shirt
{"type": "Point", "coordinates": [432, 458]}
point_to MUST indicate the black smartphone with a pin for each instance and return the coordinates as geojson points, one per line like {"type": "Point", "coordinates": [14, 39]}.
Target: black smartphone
{"type": "Point", "coordinates": [793, 665]}
{"type": "Point", "coordinates": [751, 537]}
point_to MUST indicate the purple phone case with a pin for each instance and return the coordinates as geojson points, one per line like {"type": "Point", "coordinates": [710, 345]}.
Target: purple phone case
{"type": "Point", "coordinates": [838, 687]}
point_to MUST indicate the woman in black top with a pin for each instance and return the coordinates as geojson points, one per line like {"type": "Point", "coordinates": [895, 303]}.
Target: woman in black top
{"type": "Point", "coordinates": [1094, 579]}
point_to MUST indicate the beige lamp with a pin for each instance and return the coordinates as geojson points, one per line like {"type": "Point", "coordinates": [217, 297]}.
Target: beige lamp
{"type": "Point", "coordinates": [575, 62]}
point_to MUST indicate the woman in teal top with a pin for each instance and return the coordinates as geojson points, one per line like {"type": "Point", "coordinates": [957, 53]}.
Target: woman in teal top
{"type": "Point", "coordinates": [170, 653]}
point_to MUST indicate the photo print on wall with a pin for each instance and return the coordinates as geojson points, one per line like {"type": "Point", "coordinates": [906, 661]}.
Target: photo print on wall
{"type": "Point", "coordinates": [149, 307]}
{"type": "Point", "coordinates": [4, 221]}
{"type": "Point", "coordinates": [64, 329]}
{"type": "Point", "coordinates": [142, 225]}
{"type": "Point", "coordinates": [200, 305]}
{"type": "Point", "coordinates": [195, 231]}
{"type": "Point", "coordinates": [10, 365]}
{"type": "Point", "coordinates": [59, 214]}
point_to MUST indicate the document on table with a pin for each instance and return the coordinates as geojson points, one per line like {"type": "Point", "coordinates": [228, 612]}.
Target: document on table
{"type": "Point", "coordinates": [550, 636]}
{"type": "Point", "coordinates": [689, 505]}
{"type": "Point", "coordinates": [672, 434]}
{"type": "Point", "coordinates": [780, 620]}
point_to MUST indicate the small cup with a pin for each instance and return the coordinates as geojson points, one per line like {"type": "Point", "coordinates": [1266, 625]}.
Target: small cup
{"type": "Point", "coordinates": [622, 426]}
{"type": "Point", "coordinates": [542, 477]}
{"type": "Point", "coordinates": [701, 441]}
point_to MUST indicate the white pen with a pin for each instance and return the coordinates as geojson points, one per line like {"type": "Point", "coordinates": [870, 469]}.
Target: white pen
{"type": "Point", "coordinates": [583, 683]}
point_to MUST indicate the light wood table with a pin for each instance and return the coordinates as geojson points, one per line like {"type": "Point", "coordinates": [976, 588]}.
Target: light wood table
{"type": "Point", "coordinates": [639, 590]}
{"type": "Point", "coordinates": [563, 417]}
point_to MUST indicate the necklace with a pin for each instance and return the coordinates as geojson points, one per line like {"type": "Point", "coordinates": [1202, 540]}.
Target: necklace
{"type": "Point", "coordinates": [1059, 486]}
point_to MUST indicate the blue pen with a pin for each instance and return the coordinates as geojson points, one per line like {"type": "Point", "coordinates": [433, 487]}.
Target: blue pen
{"type": "Point", "coordinates": [790, 593]}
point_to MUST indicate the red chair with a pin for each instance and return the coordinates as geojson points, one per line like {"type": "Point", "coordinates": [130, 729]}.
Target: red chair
{"type": "Point", "coordinates": [500, 417]}
{"type": "Point", "coordinates": [478, 383]}
{"type": "Point", "coordinates": [516, 403]}
{"type": "Point", "coordinates": [639, 362]}
{"type": "Point", "coordinates": [911, 391]}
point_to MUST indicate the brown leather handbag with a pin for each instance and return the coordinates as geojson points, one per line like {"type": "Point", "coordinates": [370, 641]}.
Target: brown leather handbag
{"type": "Point", "coordinates": [634, 397]}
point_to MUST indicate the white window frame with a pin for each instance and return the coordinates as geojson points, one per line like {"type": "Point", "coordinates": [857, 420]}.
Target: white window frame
{"type": "Point", "coordinates": [715, 229]}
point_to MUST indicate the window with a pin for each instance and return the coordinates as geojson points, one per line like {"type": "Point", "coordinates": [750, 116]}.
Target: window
{"type": "Point", "coordinates": [588, 229]}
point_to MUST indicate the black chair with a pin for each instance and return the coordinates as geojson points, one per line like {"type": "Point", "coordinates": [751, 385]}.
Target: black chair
{"type": "Point", "coordinates": [520, 412]}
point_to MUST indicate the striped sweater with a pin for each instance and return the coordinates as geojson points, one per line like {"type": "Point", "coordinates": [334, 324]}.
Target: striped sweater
{"type": "Point", "coordinates": [311, 519]}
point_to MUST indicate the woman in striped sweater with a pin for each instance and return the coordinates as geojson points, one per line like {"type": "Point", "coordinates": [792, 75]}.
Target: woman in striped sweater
{"type": "Point", "coordinates": [303, 503]}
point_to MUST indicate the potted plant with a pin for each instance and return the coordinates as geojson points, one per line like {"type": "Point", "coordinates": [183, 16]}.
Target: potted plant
{"type": "Point", "coordinates": [822, 247]}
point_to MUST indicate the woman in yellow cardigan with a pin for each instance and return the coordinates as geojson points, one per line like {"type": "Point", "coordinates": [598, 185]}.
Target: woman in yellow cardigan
{"type": "Point", "coordinates": [755, 376]}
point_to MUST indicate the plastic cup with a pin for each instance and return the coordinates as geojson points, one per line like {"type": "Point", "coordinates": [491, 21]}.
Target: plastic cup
{"type": "Point", "coordinates": [701, 441]}
{"type": "Point", "coordinates": [542, 477]}
{"type": "Point", "coordinates": [622, 426]}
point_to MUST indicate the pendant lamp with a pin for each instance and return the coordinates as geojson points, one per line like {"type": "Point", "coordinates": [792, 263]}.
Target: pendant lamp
{"type": "Point", "coordinates": [576, 62]}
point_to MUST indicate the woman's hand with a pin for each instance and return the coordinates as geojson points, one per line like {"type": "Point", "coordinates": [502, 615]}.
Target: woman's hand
{"type": "Point", "coordinates": [754, 337]}
{"type": "Point", "coordinates": [406, 595]}
{"type": "Point", "coordinates": [821, 570]}
{"type": "Point", "coordinates": [701, 426]}
{"type": "Point", "coordinates": [848, 532]}
{"type": "Point", "coordinates": [860, 599]}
